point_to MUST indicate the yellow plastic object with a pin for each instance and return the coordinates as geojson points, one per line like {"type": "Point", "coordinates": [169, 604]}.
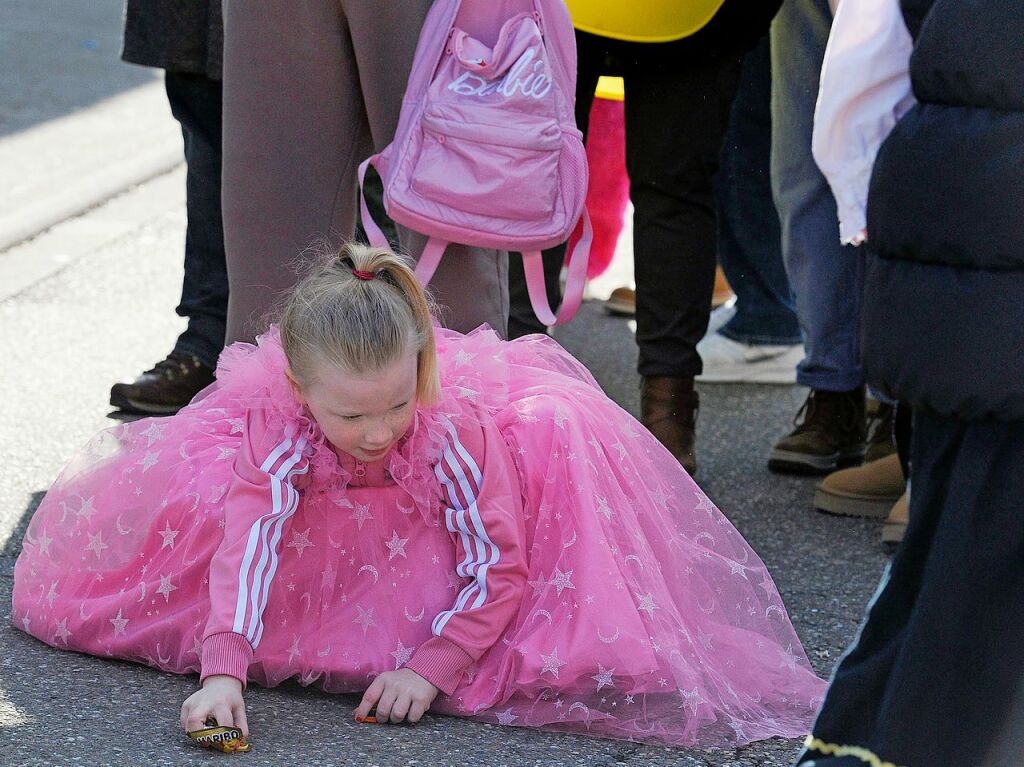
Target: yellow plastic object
{"type": "Point", "coordinates": [610, 88]}
{"type": "Point", "coordinates": [643, 21]}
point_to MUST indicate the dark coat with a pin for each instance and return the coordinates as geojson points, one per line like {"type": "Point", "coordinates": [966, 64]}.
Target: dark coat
{"type": "Point", "coordinates": [943, 320]}
{"type": "Point", "coordinates": [176, 35]}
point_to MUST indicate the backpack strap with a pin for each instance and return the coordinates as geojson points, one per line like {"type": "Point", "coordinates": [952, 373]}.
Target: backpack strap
{"type": "Point", "coordinates": [373, 231]}
{"type": "Point", "coordinates": [432, 251]}
{"type": "Point", "coordinates": [430, 258]}
{"type": "Point", "coordinates": [576, 279]}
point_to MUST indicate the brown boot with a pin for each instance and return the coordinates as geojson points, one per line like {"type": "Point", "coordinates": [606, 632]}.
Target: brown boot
{"type": "Point", "coordinates": [863, 491]}
{"type": "Point", "coordinates": [668, 408]}
{"type": "Point", "coordinates": [896, 523]}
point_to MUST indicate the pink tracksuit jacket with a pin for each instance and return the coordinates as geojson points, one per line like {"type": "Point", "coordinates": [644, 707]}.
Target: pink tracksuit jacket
{"type": "Point", "coordinates": [482, 513]}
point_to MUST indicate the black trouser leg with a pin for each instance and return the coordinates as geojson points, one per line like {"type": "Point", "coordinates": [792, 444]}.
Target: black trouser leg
{"type": "Point", "coordinates": [196, 104]}
{"type": "Point", "coordinates": [935, 676]}
{"type": "Point", "coordinates": [676, 116]}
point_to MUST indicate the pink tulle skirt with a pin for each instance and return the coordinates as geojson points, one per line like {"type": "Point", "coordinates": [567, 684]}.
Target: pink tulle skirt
{"type": "Point", "coordinates": [646, 615]}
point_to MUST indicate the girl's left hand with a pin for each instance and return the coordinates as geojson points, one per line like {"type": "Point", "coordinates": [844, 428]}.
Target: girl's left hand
{"type": "Point", "coordinates": [398, 695]}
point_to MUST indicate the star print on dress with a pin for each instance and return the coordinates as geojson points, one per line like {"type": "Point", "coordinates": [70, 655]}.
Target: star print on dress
{"type": "Point", "coordinates": [561, 580]}
{"type": "Point", "coordinates": [300, 541]}
{"type": "Point", "coordinates": [552, 663]}
{"type": "Point", "coordinates": [361, 514]}
{"type": "Point", "coordinates": [364, 619]}
{"type": "Point", "coordinates": [119, 622]}
{"type": "Point", "coordinates": [693, 700]}
{"type": "Point", "coordinates": [704, 503]}
{"type": "Point", "coordinates": [96, 544]}
{"type": "Point", "coordinates": [61, 632]}
{"type": "Point", "coordinates": [86, 509]}
{"type": "Point", "coordinates": [149, 460]}
{"type": "Point", "coordinates": [603, 677]}
{"type": "Point", "coordinates": [646, 603]}
{"type": "Point", "coordinates": [168, 535]}
{"type": "Point", "coordinates": [603, 508]}
{"type": "Point", "coordinates": [396, 546]}
{"type": "Point", "coordinates": [166, 587]}
{"type": "Point", "coordinates": [505, 717]}
{"type": "Point", "coordinates": [154, 432]}
{"type": "Point", "coordinates": [42, 543]}
{"type": "Point", "coordinates": [401, 654]}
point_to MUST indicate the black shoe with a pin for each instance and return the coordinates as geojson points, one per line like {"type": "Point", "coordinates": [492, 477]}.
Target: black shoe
{"type": "Point", "coordinates": [829, 434]}
{"type": "Point", "coordinates": [164, 390]}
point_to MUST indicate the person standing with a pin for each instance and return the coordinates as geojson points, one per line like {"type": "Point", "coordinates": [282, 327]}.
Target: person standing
{"type": "Point", "coordinates": [311, 90]}
{"type": "Point", "coordinates": [920, 131]}
{"type": "Point", "coordinates": [185, 39]}
{"type": "Point", "coordinates": [680, 64]}
{"type": "Point", "coordinates": [757, 338]}
{"type": "Point", "coordinates": [827, 277]}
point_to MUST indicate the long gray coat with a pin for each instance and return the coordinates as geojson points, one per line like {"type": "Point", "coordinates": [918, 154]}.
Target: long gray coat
{"type": "Point", "coordinates": [176, 35]}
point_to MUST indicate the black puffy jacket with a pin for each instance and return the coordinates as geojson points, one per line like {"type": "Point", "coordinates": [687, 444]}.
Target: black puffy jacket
{"type": "Point", "coordinates": [943, 319]}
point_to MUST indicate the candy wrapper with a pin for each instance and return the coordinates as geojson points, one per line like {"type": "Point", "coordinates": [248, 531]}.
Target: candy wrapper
{"type": "Point", "coordinates": [227, 739]}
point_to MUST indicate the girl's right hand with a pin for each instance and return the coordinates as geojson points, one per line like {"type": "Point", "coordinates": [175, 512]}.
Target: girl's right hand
{"type": "Point", "coordinates": [220, 698]}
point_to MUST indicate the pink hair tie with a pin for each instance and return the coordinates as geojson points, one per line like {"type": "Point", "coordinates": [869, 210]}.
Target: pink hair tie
{"type": "Point", "coordinates": [362, 275]}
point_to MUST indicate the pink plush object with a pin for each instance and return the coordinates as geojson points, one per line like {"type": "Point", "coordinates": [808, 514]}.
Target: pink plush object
{"type": "Point", "coordinates": [609, 185]}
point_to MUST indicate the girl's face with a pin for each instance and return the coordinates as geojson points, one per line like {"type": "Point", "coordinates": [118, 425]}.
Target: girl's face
{"type": "Point", "coordinates": [362, 415]}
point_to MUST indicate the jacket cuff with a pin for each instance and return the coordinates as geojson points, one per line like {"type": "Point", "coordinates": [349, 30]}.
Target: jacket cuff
{"type": "Point", "coordinates": [226, 653]}
{"type": "Point", "coordinates": [441, 662]}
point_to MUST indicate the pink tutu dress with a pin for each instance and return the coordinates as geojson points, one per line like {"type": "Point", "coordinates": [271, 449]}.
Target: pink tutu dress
{"type": "Point", "coordinates": [528, 547]}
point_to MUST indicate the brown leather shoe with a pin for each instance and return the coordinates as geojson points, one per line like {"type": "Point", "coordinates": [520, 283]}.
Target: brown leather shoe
{"type": "Point", "coordinates": [668, 408]}
{"type": "Point", "coordinates": [164, 390]}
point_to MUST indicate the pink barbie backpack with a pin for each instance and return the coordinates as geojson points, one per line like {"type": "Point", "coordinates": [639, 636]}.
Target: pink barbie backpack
{"type": "Point", "coordinates": [487, 152]}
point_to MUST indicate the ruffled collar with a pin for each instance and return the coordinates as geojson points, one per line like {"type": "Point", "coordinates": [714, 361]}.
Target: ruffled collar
{"type": "Point", "coordinates": [254, 377]}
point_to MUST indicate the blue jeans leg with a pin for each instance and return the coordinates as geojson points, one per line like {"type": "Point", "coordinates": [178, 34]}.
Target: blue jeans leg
{"type": "Point", "coordinates": [827, 278]}
{"type": "Point", "coordinates": [196, 104]}
{"type": "Point", "coordinates": [749, 237]}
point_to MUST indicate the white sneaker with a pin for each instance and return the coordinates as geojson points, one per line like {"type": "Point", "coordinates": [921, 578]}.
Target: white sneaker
{"type": "Point", "coordinates": [721, 316]}
{"type": "Point", "coordinates": [728, 361]}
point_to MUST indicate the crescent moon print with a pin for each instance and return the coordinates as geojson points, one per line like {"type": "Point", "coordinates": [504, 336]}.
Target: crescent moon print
{"type": "Point", "coordinates": [608, 640]}
{"type": "Point", "coordinates": [415, 618]}
{"type": "Point", "coordinates": [702, 536]}
{"type": "Point", "coordinates": [707, 610]}
{"type": "Point", "coordinates": [81, 613]}
{"type": "Point", "coordinates": [543, 614]}
{"type": "Point", "coordinates": [308, 600]}
{"type": "Point", "coordinates": [405, 510]}
{"type": "Point", "coordinates": [163, 661]}
{"type": "Point", "coordinates": [635, 558]}
{"type": "Point", "coordinates": [334, 545]}
{"type": "Point", "coordinates": [121, 528]}
{"type": "Point", "coordinates": [746, 557]}
{"type": "Point", "coordinates": [181, 450]}
{"type": "Point", "coordinates": [195, 502]}
{"type": "Point", "coordinates": [142, 596]}
{"type": "Point", "coordinates": [371, 570]}
{"type": "Point", "coordinates": [324, 652]}
{"type": "Point", "coordinates": [571, 542]}
{"type": "Point", "coordinates": [775, 609]}
{"type": "Point", "coordinates": [578, 705]}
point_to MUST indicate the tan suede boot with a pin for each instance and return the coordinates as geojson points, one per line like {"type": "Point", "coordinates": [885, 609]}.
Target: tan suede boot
{"type": "Point", "coordinates": [864, 491]}
{"type": "Point", "coordinates": [668, 408]}
{"type": "Point", "coordinates": [896, 523]}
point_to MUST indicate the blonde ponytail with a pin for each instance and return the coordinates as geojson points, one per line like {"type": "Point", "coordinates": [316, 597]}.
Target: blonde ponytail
{"type": "Point", "coordinates": [361, 309]}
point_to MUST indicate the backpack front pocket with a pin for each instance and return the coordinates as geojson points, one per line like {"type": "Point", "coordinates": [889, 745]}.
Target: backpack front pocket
{"type": "Point", "coordinates": [489, 162]}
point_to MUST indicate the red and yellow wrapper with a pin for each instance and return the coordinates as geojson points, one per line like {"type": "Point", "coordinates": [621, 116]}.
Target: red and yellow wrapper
{"type": "Point", "coordinates": [227, 739]}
